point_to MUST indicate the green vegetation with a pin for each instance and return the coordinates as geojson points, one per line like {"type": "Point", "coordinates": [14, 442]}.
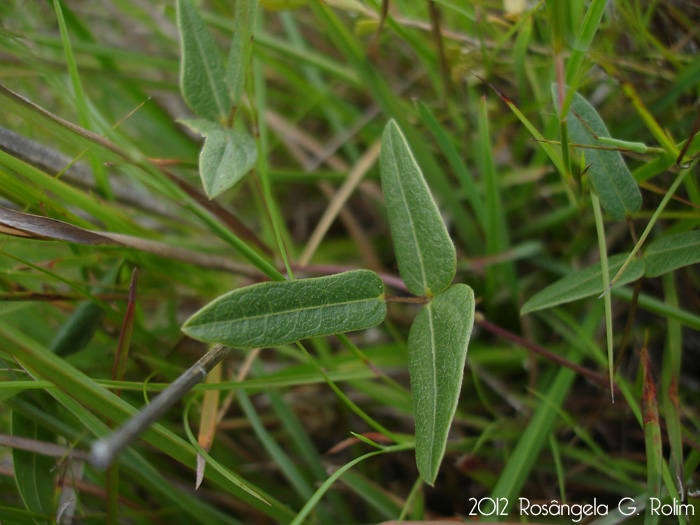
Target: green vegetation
{"type": "Point", "coordinates": [437, 235]}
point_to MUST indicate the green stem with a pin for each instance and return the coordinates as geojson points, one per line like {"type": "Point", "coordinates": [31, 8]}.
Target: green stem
{"type": "Point", "coordinates": [600, 228]}
{"type": "Point", "coordinates": [356, 409]}
{"type": "Point", "coordinates": [669, 194]}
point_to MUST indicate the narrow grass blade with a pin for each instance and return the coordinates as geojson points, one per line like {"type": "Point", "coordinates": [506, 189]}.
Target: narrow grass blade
{"type": "Point", "coordinates": [520, 462]}
{"type": "Point", "coordinates": [33, 472]}
{"type": "Point", "coordinates": [81, 100]}
{"type": "Point", "coordinates": [122, 357]}
{"type": "Point", "coordinates": [280, 312]}
{"type": "Point", "coordinates": [313, 501]}
{"type": "Point", "coordinates": [608, 173]}
{"type": "Point", "coordinates": [392, 106]}
{"type": "Point", "coordinates": [437, 350]}
{"type": "Point", "coordinates": [239, 57]}
{"type": "Point", "coordinates": [546, 147]}
{"type": "Point", "coordinates": [455, 159]}
{"type": "Point", "coordinates": [605, 272]}
{"type": "Point", "coordinates": [424, 250]}
{"type": "Point", "coordinates": [581, 284]}
{"type": "Point", "coordinates": [652, 438]}
{"type": "Point", "coordinates": [202, 74]}
{"type": "Point", "coordinates": [671, 252]}
{"type": "Point", "coordinates": [383, 499]}
{"type": "Point", "coordinates": [207, 422]}
{"type": "Point", "coordinates": [496, 228]}
{"type": "Point", "coordinates": [655, 216]}
{"type": "Point", "coordinates": [672, 360]}
{"type": "Point", "coordinates": [227, 155]}
{"type": "Point", "coordinates": [584, 38]}
{"type": "Point", "coordinates": [29, 226]}
{"type": "Point", "coordinates": [95, 397]}
{"type": "Point", "coordinates": [287, 467]}
{"type": "Point", "coordinates": [118, 371]}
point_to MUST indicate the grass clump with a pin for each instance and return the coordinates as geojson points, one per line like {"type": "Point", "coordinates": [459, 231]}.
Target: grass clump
{"type": "Point", "coordinates": [217, 147]}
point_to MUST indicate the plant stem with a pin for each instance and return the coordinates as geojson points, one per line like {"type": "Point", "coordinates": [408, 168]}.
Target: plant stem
{"type": "Point", "coordinates": [105, 450]}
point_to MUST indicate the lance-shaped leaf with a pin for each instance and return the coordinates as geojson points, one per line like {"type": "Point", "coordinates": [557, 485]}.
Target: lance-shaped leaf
{"type": "Point", "coordinates": [281, 312]}
{"type": "Point", "coordinates": [611, 179]}
{"type": "Point", "coordinates": [202, 73]}
{"type": "Point", "coordinates": [241, 46]}
{"type": "Point", "coordinates": [584, 283]}
{"type": "Point", "coordinates": [424, 250]}
{"type": "Point", "coordinates": [672, 251]}
{"type": "Point", "coordinates": [437, 350]}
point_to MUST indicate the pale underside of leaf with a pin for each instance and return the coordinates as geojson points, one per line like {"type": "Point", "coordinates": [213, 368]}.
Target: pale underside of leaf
{"type": "Point", "coordinates": [227, 155]}
{"type": "Point", "coordinates": [424, 250]}
{"type": "Point", "coordinates": [202, 73]}
{"type": "Point", "coordinates": [611, 179]}
{"type": "Point", "coordinates": [437, 350]}
{"type": "Point", "coordinates": [581, 284]}
{"type": "Point", "coordinates": [282, 312]}
{"type": "Point", "coordinates": [671, 252]}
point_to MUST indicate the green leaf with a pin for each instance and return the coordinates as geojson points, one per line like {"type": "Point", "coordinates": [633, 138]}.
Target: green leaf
{"type": "Point", "coordinates": [200, 125]}
{"type": "Point", "coordinates": [33, 472]}
{"type": "Point", "coordinates": [672, 251]}
{"type": "Point", "coordinates": [608, 173]}
{"type": "Point", "coordinates": [437, 350]}
{"type": "Point", "coordinates": [424, 250]}
{"type": "Point", "coordinates": [274, 313]}
{"type": "Point", "coordinates": [241, 47]}
{"type": "Point", "coordinates": [227, 155]}
{"type": "Point", "coordinates": [202, 74]}
{"type": "Point", "coordinates": [78, 330]}
{"type": "Point", "coordinates": [584, 283]}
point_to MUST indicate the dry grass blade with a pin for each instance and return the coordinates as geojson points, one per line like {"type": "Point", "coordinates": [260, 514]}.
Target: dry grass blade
{"type": "Point", "coordinates": [29, 226]}
{"type": "Point", "coordinates": [358, 172]}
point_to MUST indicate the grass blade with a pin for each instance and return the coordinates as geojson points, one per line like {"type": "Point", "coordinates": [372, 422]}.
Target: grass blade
{"type": "Point", "coordinates": [241, 47]}
{"type": "Point", "coordinates": [652, 438]}
{"type": "Point", "coordinates": [605, 271]}
{"type": "Point", "coordinates": [456, 162]}
{"type": "Point", "coordinates": [33, 472]}
{"type": "Point", "coordinates": [95, 397]}
{"type": "Point", "coordinates": [313, 501]}
{"type": "Point", "coordinates": [496, 229]}
{"type": "Point", "coordinates": [669, 383]}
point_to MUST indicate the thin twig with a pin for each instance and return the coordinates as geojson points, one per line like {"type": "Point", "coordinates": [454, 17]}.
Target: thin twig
{"type": "Point", "coordinates": [502, 332]}
{"type": "Point", "coordinates": [358, 172]}
{"type": "Point", "coordinates": [105, 450]}
{"type": "Point", "coordinates": [42, 447]}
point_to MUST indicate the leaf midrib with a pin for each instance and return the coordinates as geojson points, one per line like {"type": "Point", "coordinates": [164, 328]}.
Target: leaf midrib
{"type": "Point", "coordinates": [435, 389]}
{"type": "Point", "coordinates": [291, 311]}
